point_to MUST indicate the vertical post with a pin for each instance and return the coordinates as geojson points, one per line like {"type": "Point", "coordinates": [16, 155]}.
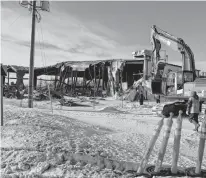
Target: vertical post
{"type": "Point", "coordinates": [59, 79]}
{"type": "Point", "coordinates": [201, 147]}
{"type": "Point", "coordinates": [121, 71]}
{"type": "Point", "coordinates": [183, 69]}
{"type": "Point", "coordinates": [68, 81]}
{"type": "Point", "coordinates": [94, 80]}
{"type": "Point", "coordinates": [99, 79]}
{"type": "Point", "coordinates": [2, 120]}
{"type": "Point", "coordinates": [103, 68]}
{"type": "Point", "coordinates": [50, 97]}
{"type": "Point", "coordinates": [145, 72]}
{"type": "Point", "coordinates": [126, 79]}
{"type": "Point", "coordinates": [35, 81]}
{"type": "Point", "coordinates": [55, 81]}
{"type": "Point", "coordinates": [72, 81]}
{"type": "Point", "coordinates": [84, 81]}
{"type": "Point", "coordinates": [175, 82]}
{"type": "Point", "coordinates": [164, 144]}
{"type": "Point", "coordinates": [176, 146]}
{"type": "Point", "coordinates": [94, 85]}
{"type": "Point", "coordinates": [152, 142]}
{"type": "Point", "coordinates": [8, 78]}
{"type": "Point", "coordinates": [63, 78]}
{"type": "Point", "coordinates": [3, 80]}
{"type": "Point", "coordinates": [31, 67]}
{"type": "Point", "coordinates": [76, 79]}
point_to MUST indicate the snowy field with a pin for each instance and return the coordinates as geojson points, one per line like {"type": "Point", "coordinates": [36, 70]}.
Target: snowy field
{"type": "Point", "coordinates": [62, 141]}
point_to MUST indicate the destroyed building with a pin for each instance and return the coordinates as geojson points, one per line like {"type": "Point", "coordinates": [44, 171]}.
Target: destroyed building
{"type": "Point", "coordinates": [95, 78]}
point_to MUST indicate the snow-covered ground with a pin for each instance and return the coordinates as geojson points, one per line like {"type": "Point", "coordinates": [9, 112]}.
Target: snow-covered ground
{"type": "Point", "coordinates": [46, 140]}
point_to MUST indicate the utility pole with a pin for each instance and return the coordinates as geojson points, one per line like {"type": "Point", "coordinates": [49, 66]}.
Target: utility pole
{"type": "Point", "coordinates": [31, 5]}
{"type": "Point", "coordinates": [31, 67]}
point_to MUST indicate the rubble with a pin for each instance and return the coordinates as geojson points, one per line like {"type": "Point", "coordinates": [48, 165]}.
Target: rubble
{"type": "Point", "coordinates": [60, 146]}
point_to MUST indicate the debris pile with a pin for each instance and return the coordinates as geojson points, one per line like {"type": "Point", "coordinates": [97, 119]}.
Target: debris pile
{"type": "Point", "coordinates": [45, 94]}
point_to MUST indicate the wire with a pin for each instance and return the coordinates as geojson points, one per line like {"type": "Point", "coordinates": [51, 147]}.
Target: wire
{"type": "Point", "coordinates": [40, 46]}
{"type": "Point", "coordinates": [14, 21]}
{"type": "Point", "coordinates": [43, 42]}
{"type": "Point", "coordinates": [11, 24]}
{"type": "Point", "coordinates": [44, 58]}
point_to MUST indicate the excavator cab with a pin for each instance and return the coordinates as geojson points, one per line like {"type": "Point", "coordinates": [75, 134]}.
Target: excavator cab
{"type": "Point", "coordinates": [160, 85]}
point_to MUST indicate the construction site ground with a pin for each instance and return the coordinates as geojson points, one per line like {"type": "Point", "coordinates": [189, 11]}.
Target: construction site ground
{"type": "Point", "coordinates": [37, 141]}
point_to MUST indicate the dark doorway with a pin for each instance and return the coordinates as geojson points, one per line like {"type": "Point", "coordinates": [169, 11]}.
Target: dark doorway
{"type": "Point", "coordinates": [132, 71]}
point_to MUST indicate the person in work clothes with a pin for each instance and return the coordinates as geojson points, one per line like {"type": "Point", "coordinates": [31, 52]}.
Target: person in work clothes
{"type": "Point", "coordinates": [193, 109]}
{"type": "Point", "coordinates": [141, 98]}
{"type": "Point", "coordinates": [141, 94]}
{"type": "Point", "coordinates": [157, 98]}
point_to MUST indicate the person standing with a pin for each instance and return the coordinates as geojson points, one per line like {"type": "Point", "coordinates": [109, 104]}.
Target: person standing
{"type": "Point", "coordinates": [157, 97]}
{"type": "Point", "coordinates": [140, 88]}
{"type": "Point", "coordinates": [193, 109]}
{"type": "Point", "coordinates": [141, 98]}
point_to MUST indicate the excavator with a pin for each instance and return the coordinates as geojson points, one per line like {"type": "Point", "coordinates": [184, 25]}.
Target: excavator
{"type": "Point", "coordinates": [184, 79]}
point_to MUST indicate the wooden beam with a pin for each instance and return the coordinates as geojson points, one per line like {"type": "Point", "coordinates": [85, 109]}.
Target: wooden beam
{"type": "Point", "coordinates": [35, 81]}
{"type": "Point", "coordinates": [8, 78]}
{"type": "Point", "coordinates": [99, 79]}
{"type": "Point", "coordinates": [76, 77]}
{"type": "Point", "coordinates": [94, 79]}
{"type": "Point", "coordinates": [68, 81]}
{"type": "Point", "coordinates": [59, 83]}
{"type": "Point", "coordinates": [72, 72]}
{"type": "Point", "coordinates": [121, 80]}
{"type": "Point", "coordinates": [102, 77]}
{"type": "Point", "coordinates": [47, 80]}
{"type": "Point", "coordinates": [84, 81]}
{"type": "Point", "coordinates": [55, 81]}
{"type": "Point", "coordinates": [16, 78]}
{"type": "Point", "coordinates": [63, 78]}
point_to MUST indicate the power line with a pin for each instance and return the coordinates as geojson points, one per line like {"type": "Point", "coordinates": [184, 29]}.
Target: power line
{"type": "Point", "coordinates": [44, 58]}
{"type": "Point", "coordinates": [40, 46]}
{"type": "Point", "coordinates": [14, 21]}
{"type": "Point", "coordinates": [43, 42]}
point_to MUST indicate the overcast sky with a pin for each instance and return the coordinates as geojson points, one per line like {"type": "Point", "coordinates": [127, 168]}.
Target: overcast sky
{"type": "Point", "coordinates": [100, 30]}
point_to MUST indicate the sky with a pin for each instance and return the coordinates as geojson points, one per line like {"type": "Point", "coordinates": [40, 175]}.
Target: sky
{"type": "Point", "coordinates": [100, 30]}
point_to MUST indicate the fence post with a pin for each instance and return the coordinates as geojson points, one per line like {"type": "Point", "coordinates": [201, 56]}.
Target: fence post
{"type": "Point", "coordinates": [50, 97]}
{"type": "Point", "coordinates": [201, 146]}
{"type": "Point", "coordinates": [176, 146]}
{"type": "Point", "coordinates": [164, 144]}
{"type": "Point", "coordinates": [146, 156]}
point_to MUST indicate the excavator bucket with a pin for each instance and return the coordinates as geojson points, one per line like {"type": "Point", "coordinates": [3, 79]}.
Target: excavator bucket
{"type": "Point", "coordinates": [158, 87]}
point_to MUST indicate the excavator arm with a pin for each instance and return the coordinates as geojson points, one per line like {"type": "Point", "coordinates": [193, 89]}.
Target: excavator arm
{"type": "Point", "coordinates": [177, 44]}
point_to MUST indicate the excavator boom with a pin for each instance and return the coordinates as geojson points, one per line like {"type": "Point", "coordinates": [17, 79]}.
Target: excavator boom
{"type": "Point", "coordinates": [188, 74]}
{"type": "Point", "coordinates": [178, 44]}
